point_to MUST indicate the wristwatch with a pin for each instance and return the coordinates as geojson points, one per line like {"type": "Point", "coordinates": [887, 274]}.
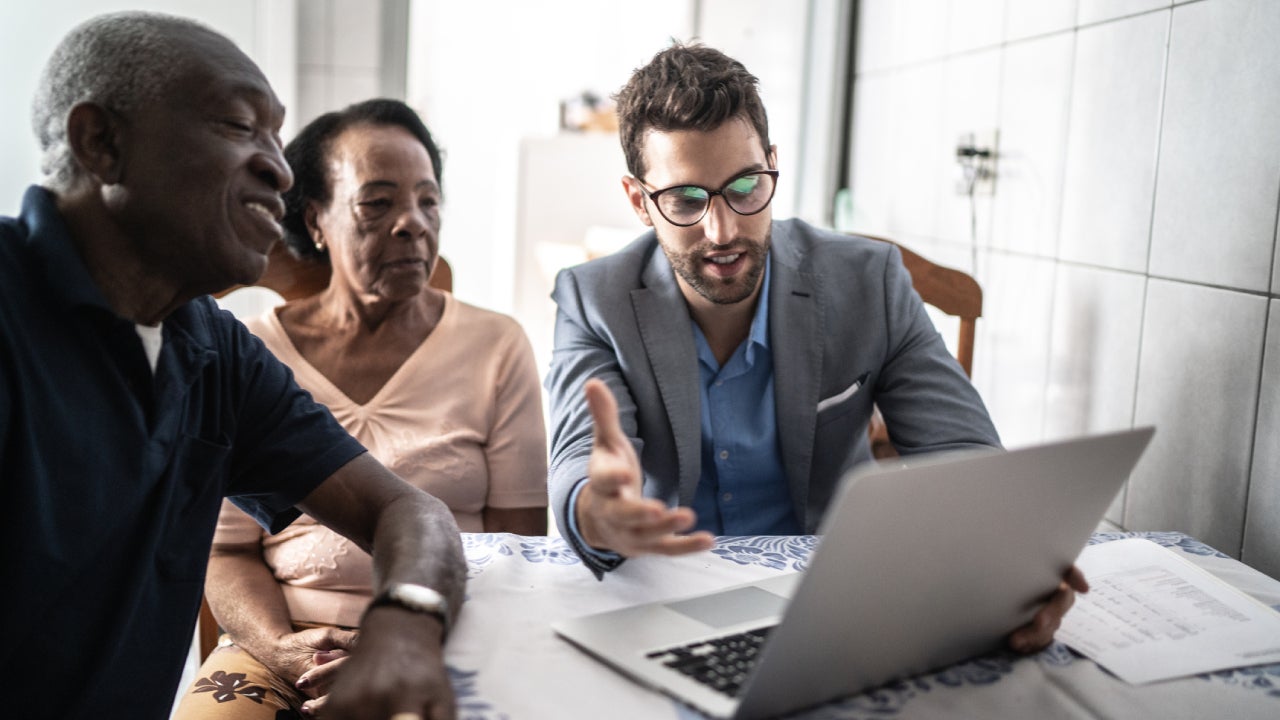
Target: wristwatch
{"type": "Point", "coordinates": [418, 598]}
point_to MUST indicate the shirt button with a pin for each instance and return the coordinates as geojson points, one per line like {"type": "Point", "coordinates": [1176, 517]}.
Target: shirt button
{"type": "Point", "coordinates": [724, 454]}
{"type": "Point", "coordinates": [728, 497]}
{"type": "Point", "coordinates": [719, 383]}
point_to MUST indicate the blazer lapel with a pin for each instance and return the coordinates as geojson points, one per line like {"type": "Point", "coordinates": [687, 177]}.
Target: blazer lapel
{"type": "Point", "coordinates": [796, 316]}
{"type": "Point", "coordinates": [667, 331]}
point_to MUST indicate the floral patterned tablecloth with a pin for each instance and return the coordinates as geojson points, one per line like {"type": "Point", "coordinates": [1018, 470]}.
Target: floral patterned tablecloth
{"type": "Point", "coordinates": [507, 663]}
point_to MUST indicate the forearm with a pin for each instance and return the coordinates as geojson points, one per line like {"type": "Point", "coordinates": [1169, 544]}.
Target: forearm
{"type": "Point", "coordinates": [416, 541]}
{"type": "Point", "coordinates": [399, 663]}
{"type": "Point", "coordinates": [247, 601]}
{"type": "Point", "coordinates": [580, 355]}
{"type": "Point", "coordinates": [411, 535]}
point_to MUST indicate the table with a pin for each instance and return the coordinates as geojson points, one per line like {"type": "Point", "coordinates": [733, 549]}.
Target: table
{"type": "Point", "coordinates": [506, 663]}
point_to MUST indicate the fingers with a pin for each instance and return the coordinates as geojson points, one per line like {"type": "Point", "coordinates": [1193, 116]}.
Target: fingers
{"type": "Point", "coordinates": [657, 535]}
{"type": "Point", "coordinates": [313, 708]}
{"type": "Point", "coordinates": [1037, 634]}
{"type": "Point", "coordinates": [328, 656]}
{"type": "Point", "coordinates": [337, 639]}
{"type": "Point", "coordinates": [614, 467]}
{"type": "Point", "coordinates": [611, 512]}
{"type": "Point", "coordinates": [643, 527]}
{"type": "Point", "coordinates": [604, 414]}
{"type": "Point", "coordinates": [321, 639]}
{"type": "Point", "coordinates": [637, 526]}
{"type": "Point", "coordinates": [679, 544]}
{"type": "Point", "coordinates": [1075, 579]}
{"type": "Point", "coordinates": [319, 680]}
{"type": "Point", "coordinates": [632, 514]}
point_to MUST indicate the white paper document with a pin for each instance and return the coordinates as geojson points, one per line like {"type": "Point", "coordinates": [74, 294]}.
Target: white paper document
{"type": "Point", "coordinates": [1151, 615]}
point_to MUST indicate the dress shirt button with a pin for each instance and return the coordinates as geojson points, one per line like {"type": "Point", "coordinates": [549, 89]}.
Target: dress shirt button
{"type": "Point", "coordinates": [719, 383]}
{"type": "Point", "coordinates": [728, 497]}
{"type": "Point", "coordinates": [724, 454]}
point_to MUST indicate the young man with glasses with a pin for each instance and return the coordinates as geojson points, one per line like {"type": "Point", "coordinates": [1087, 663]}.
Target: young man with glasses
{"type": "Point", "coordinates": [729, 362]}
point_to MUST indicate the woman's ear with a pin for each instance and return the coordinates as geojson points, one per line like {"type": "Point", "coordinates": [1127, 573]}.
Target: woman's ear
{"type": "Point", "coordinates": [311, 217]}
{"type": "Point", "coordinates": [94, 135]}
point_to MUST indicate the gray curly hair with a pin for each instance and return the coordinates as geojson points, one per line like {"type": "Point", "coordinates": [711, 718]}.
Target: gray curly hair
{"type": "Point", "coordinates": [121, 61]}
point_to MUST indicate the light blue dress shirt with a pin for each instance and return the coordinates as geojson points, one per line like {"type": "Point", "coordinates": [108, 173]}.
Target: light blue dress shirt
{"type": "Point", "coordinates": [742, 489]}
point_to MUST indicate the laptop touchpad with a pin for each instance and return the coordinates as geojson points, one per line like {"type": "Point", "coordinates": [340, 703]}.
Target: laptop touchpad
{"type": "Point", "coordinates": [731, 607]}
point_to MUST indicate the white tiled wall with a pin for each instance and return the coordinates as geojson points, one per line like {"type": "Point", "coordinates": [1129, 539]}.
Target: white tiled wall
{"type": "Point", "coordinates": [1112, 132]}
{"type": "Point", "coordinates": [970, 102]}
{"type": "Point", "coordinates": [339, 54]}
{"type": "Point", "coordinates": [1033, 137]}
{"type": "Point", "coordinates": [1095, 11]}
{"type": "Point", "coordinates": [1130, 263]}
{"type": "Point", "coordinates": [1198, 384]}
{"type": "Point", "coordinates": [1012, 362]}
{"type": "Point", "coordinates": [1029, 19]}
{"type": "Point", "coordinates": [1261, 532]}
{"type": "Point", "coordinates": [1219, 172]}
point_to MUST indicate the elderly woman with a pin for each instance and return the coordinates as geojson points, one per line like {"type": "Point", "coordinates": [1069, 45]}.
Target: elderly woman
{"type": "Point", "coordinates": [443, 393]}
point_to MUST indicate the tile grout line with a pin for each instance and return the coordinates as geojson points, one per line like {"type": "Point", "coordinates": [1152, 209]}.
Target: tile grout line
{"type": "Point", "coordinates": [1146, 274]}
{"type": "Point", "coordinates": [1253, 441]}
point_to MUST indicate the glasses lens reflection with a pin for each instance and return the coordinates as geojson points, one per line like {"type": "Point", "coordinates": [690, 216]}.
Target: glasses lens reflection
{"type": "Point", "coordinates": [746, 195]}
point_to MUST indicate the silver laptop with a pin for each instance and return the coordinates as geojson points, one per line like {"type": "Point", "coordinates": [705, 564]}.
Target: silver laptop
{"type": "Point", "coordinates": [922, 564]}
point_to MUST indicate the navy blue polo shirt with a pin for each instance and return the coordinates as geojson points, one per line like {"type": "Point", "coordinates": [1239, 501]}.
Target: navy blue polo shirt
{"type": "Point", "coordinates": [111, 477]}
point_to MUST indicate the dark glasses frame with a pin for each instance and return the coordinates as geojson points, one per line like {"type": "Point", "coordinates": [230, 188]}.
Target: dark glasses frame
{"type": "Point", "coordinates": [711, 194]}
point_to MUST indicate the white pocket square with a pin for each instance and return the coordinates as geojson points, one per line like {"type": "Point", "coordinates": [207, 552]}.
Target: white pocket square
{"type": "Point", "coordinates": [844, 395]}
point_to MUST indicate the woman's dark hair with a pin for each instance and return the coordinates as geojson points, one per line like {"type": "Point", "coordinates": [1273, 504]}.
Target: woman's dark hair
{"type": "Point", "coordinates": [307, 155]}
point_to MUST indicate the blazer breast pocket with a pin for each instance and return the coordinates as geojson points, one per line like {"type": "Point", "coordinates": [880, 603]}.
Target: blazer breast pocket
{"type": "Point", "coordinates": [841, 402]}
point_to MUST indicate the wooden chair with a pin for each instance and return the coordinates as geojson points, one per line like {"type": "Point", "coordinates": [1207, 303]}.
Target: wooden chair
{"type": "Point", "coordinates": [953, 292]}
{"type": "Point", "coordinates": [294, 278]}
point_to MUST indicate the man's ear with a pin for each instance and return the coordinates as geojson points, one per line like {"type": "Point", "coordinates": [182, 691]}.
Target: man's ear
{"type": "Point", "coordinates": [94, 136]}
{"type": "Point", "coordinates": [637, 196]}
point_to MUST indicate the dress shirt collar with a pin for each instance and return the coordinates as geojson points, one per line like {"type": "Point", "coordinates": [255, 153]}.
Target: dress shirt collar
{"type": "Point", "coordinates": [757, 335]}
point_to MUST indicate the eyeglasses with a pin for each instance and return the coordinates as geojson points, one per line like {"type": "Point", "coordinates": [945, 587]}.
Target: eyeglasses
{"type": "Point", "coordinates": [685, 205]}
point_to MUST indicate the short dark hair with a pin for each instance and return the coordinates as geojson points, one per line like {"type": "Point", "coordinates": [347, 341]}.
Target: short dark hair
{"type": "Point", "coordinates": [124, 61]}
{"type": "Point", "coordinates": [308, 155]}
{"type": "Point", "coordinates": [686, 87]}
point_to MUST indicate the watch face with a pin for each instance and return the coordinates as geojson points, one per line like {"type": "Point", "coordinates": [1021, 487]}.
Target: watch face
{"type": "Point", "coordinates": [418, 597]}
{"type": "Point", "coordinates": [421, 596]}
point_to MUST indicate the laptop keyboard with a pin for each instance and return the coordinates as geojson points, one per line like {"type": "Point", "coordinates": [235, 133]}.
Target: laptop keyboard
{"type": "Point", "coordinates": [719, 663]}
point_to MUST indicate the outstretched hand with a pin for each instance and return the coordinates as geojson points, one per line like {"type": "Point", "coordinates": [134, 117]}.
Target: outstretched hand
{"type": "Point", "coordinates": [612, 512]}
{"type": "Point", "coordinates": [1037, 634]}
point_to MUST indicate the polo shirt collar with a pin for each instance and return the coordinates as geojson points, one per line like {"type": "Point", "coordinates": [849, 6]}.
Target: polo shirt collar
{"type": "Point", "coordinates": [49, 239]}
{"type": "Point", "coordinates": [67, 279]}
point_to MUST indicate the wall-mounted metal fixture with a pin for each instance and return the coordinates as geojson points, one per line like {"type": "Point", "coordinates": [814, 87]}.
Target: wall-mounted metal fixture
{"type": "Point", "coordinates": [976, 156]}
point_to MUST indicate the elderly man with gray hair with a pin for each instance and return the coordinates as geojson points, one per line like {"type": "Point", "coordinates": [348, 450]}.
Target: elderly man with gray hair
{"type": "Point", "coordinates": [130, 405]}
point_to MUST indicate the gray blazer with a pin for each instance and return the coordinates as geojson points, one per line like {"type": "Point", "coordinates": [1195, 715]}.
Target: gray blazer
{"type": "Point", "coordinates": [846, 329]}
